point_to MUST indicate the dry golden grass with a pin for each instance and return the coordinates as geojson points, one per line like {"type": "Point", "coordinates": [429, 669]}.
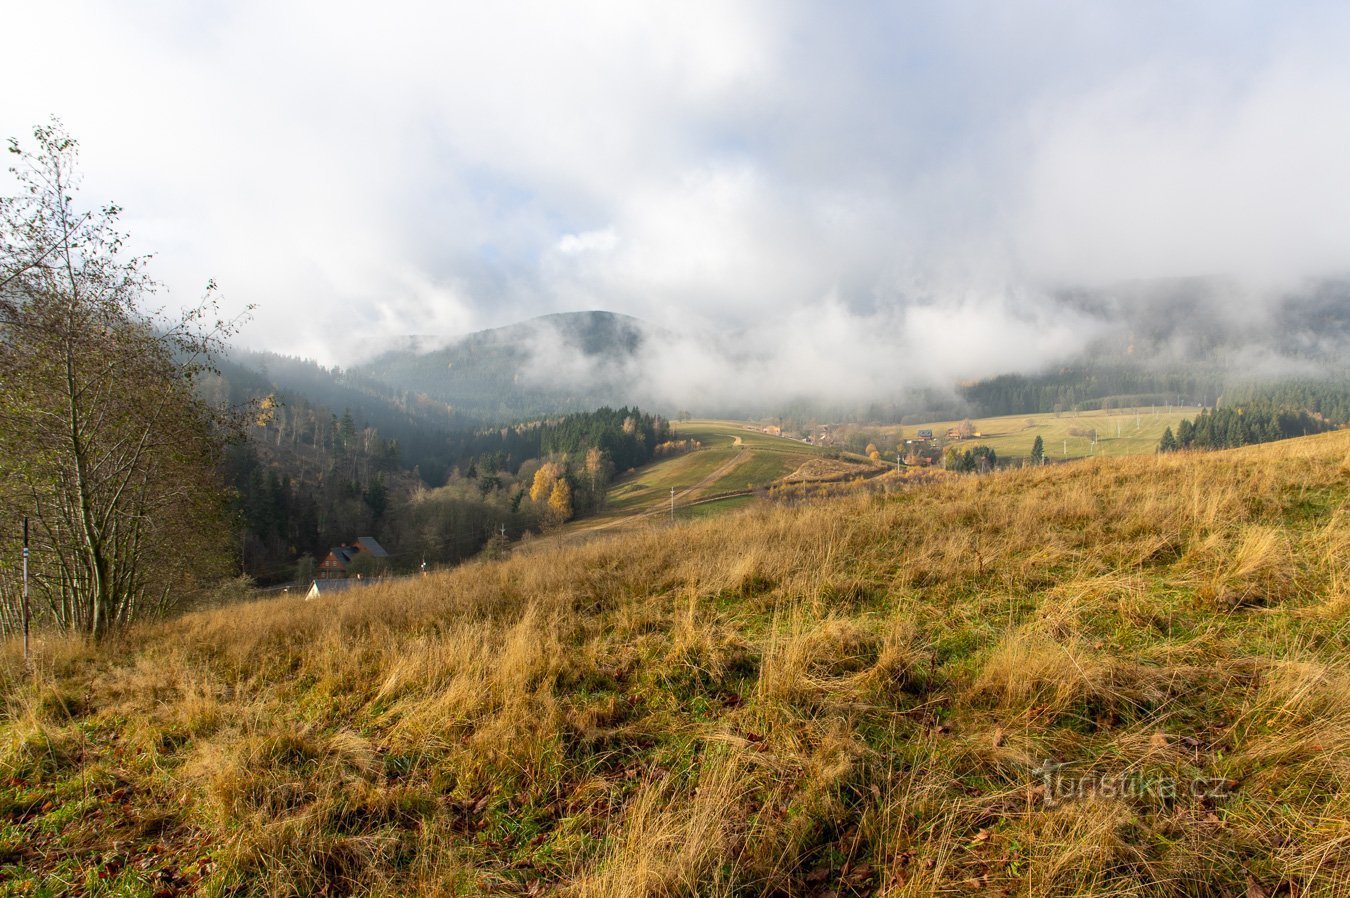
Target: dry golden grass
{"type": "Point", "coordinates": [852, 696]}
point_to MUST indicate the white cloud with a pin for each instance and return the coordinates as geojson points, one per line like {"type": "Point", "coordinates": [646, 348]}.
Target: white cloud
{"type": "Point", "coordinates": [601, 241]}
{"type": "Point", "coordinates": [846, 185]}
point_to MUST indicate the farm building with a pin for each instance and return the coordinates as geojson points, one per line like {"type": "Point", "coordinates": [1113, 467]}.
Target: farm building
{"type": "Point", "coordinates": [334, 564]}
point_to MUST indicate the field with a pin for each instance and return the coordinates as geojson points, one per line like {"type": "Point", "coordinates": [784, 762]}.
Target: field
{"type": "Point", "coordinates": [1118, 432]}
{"type": "Point", "coordinates": [735, 458]}
{"type": "Point", "coordinates": [738, 458]}
{"type": "Point", "coordinates": [1125, 677]}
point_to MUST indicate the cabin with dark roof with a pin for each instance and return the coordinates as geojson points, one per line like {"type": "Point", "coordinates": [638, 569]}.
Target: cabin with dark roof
{"type": "Point", "coordinates": [339, 558]}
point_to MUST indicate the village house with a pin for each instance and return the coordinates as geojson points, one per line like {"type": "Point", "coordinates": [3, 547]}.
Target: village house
{"type": "Point", "coordinates": [335, 563]}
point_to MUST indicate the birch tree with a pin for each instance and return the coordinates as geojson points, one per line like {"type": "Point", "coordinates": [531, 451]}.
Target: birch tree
{"type": "Point", "coordinates": [103, 442]}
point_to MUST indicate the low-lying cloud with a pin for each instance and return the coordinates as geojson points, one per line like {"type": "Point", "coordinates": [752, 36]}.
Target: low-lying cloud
{"type": "Point", "coordinates": [833, 201]}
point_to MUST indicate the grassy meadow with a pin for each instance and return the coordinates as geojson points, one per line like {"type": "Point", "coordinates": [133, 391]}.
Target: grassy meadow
{"type": "Point", "coordinates": [734, 458]}
{"type": "Point", "coordinates": [1122, 677]}
{"type": "Point", "coordinates": [1119, 432]}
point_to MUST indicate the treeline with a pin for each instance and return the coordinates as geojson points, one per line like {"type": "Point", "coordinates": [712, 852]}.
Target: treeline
{"type": "Point", "coordinates": [287, 517]}
{"type": "Point", "coordinates": [1088, 388]}
{"type": "Point", "coordinates": [306, 480]}
{"type": "Point", "coordinates": [1093, 388]}
{"type": "Point", "coordinates": [1230, 427]}
{"type": "Point", "coordinates": [1329, 400]}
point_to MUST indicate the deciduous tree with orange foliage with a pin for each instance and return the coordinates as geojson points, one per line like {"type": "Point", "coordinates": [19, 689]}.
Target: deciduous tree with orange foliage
{"type": "Point", "coordinates": [560, 501]}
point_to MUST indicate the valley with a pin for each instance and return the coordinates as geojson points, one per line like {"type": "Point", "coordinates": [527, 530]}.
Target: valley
{"type": "Point", "coordinates": [738, 462]}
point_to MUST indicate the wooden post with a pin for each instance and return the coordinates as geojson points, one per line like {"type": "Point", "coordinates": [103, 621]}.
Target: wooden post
{"type": "Point", "coordinates": [24, 607]}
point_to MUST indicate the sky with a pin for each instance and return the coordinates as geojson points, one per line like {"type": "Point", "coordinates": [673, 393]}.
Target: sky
{"type": "Point", "coordinates": [840, 182]}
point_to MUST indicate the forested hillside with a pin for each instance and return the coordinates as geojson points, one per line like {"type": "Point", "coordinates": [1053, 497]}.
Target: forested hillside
{"type": "Point", "coordinates": [547, 365]}
{"type": "Point", "coordinates": [1092, 387]}
{"type": "Point", "coordinates": [307, 477]}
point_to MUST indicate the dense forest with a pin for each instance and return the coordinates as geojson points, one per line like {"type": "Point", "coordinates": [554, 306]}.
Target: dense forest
{"type": "Point", "coordinates": [1087, 388]}
{"type": "Point", "coordinates": [1090, 388]}
{"type": "Point", "coordinates": [1232, 426]}
{"type": "Point", "coordinates": [306, 478]}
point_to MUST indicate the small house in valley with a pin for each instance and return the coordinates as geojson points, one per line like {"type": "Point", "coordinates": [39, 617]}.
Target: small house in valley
{"type": "Point", "coordinates": [339, 558]}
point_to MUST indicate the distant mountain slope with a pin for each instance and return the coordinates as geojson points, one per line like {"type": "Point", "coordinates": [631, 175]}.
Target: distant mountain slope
{"type": "Point", "coordinates": [1183, 340]}
{"type": "Point", "coordinates": [418, 423]}
{"type": "Point", "coordinates": [565, 362]}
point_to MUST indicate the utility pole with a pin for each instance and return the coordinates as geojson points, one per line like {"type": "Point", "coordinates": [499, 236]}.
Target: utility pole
{"type": "Point", "coordinates": [24, 608]}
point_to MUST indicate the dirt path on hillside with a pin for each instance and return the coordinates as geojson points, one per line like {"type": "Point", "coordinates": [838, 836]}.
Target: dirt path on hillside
{"type": "Point", "coordinates": [721, 471]}
{"type": "Point", "coordinates": [685, 497]}
{"type": "Point", "coordinates": [682, 497]}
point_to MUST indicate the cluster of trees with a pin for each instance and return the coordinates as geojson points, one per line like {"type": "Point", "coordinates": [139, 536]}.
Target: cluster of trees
{"type": "Point", "coordinates": [104, 444]}
{"type": "Point", "coordinates": [628, 437]}
{"type": "Point", "coordinates": [491, 496]}
{"type": "Point", "coordinates": [981, 459]}
{"type": "Point", "coordinates": [286, 518]}
{"type": "Point", "coordinates": [1229, 427]}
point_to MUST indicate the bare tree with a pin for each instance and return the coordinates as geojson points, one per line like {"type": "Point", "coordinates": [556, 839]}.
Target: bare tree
{"type": "Point", "coordinates": [102, 439]}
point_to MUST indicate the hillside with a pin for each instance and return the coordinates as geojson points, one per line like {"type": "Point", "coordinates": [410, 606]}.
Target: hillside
{"type": "Point", "coordinates": [572, 361]}
{"type": "Point", "coordinates": [732, 463]}
{"type": "Point", "coordinates": [419, 424]}
{"type": "Point", "coordinates": [1168, 341]}
{"type": "Point", "coordinates": [1119, 677]}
